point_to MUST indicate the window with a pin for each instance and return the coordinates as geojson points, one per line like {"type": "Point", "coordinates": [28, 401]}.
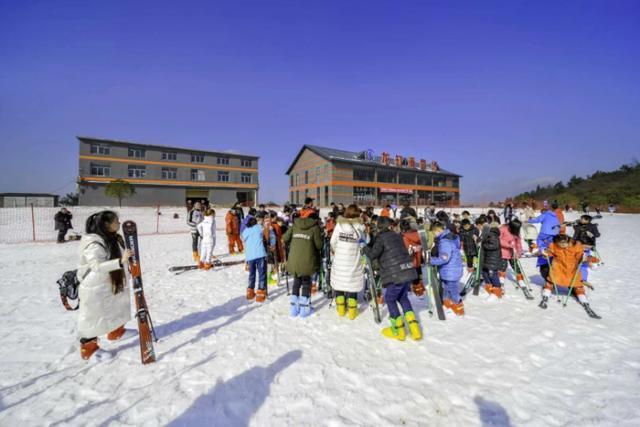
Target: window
{"type": "Point", "coordinates": [291, 199]}
{"type": "Point", "coordinates": [438, 181]}
{"type": "Point", "coordinates": [137, 171]}
{"type": "Point", "coordinates": [105, 150]}
{"type": "Point", "coordinates": [318, 175]}
{"type": "Point", "coordinates": [169, 155]}
{"type": "Point", "coordinates": [363, 174]}
{"type": "Point", "coordinates": [306, 177]}
{"type": "Point", "coordinates": [246, 163]}
{"type": "Point", "coordinates": [424, 197]}
{"type": "Point", "coordinates": [424, 179]}
{"type": "Point", "coordinates": [245, 178]}
{"type": "Point", "coordinates": [169, 173]}
{"type": "Point", "coordinates": [291, 182]}
{"type": "Point", "coordinates": [406, 178]}
{"type": "Point", "coordinates": [297, 179]}
{"type": "Point", "coordinates": [326, 195]}
{"type": "Point", "coordinates": [455, 182]}
{"type": "Point", "coordinates": [326, 172]}
{"type": "Point", "coordinates": [197, 175]}
{"type": "Point", "coordinates": [297, 197]}
{"type": "Point", "coordinates": [306, 193]}
{"type": "Point", "coordinates": [386, 175]}
{"type": "Point", "coordinates": [318, 194]}
{"type": "Point", "coordinates": [197, 158]}
{"type": "Point", "coordinates": [100, 170]}
{"type": "Point", "coordinates": [224, 176]}
{"type": "Point", "coordinates": [138, 153]}
{"type": "Point", "coordinates": [223, 160]}
{"type": "Point", "coordinates": [364, 195]}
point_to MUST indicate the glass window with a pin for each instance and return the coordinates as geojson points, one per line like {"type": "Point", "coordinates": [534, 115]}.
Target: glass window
{"type": "Point", "coordinates": [223, 176]}
{"type": "Point", "coordinates": [291, 199]}
{"type": "Point", "coordinates": [136, 152]}
{"type": "Point", "coordinates": [306, 178]}
{"type": "Point", "coordinates": [364, 174]}
{"type": "Point", "coordinates": [326, 195]}
{"type": "Point", "coordinates": [439, 181]}
{"type": "Point", "coordinates": [197, 158]}
{"type": "Point", "coordinates": [169, 155]}
{"type": "Point", "coordinates": [386, 175]}
{"type": "Point", "coordinates": [100, 149]}
{"type": "Point", "coordinates": [455, 182]}
{"type": "Point", "coordinates": [137, 171]}
{"type": "Point", "coordinates": [297, 197]}
{"type": "Point", "coordinates": [100, 170]}
{"type": "Point", "coordinates": [326, 172]}
{"type": "Point", "coordinates": [246, 163]}
{"type": "Point", "coordinates": [318, 194]}
{"type": "Point", "coordinates": [291, 182]}
{"type": "Point", "coordinates": [424, 179]}
{"type": "Point", "coordinates": [364, 195]}
{"type": "Point", "coordinates": [406, 178]}
{"type": "Point", "coordinates": [197, 175]}
{"type": "Point", "coordinates": [245, 178]}
{"type": "Point", "coordinates": [318, 175]}
{"type": "Point", "coordinates": [223, 160]}
{"type": "Point", "coordinates": [169, 173]}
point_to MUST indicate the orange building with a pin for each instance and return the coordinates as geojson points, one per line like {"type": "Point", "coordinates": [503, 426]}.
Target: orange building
{"type": "Point", "coordinates": [331, 175]}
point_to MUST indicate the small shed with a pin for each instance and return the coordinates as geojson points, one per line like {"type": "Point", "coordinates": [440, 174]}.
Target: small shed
{"type": "Point", "coordinates": [22, 200]}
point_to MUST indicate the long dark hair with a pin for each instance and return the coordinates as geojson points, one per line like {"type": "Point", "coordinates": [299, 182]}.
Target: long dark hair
{"type": "Point", "coordinates": [97, 224]}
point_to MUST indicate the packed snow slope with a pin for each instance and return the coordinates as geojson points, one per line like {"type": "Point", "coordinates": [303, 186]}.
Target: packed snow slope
{"type": "Point", "coordinates": [225, 362]}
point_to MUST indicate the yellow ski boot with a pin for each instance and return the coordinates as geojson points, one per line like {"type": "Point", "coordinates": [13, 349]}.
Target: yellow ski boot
{"type": "Point", "coordinates": [396, 330]}
{"type": "Point", "coordinates": [414, 326]}
{"type": "Point", "coordinates": [353, 308]}
{"type": "Point", "coordinates": [340, 305]}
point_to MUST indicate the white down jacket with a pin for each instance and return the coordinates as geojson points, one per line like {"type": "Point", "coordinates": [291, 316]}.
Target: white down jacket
{"type": "Point", "coordinates": [346, 266]}
{"type": "Point", "coordinates": [207, 230]}
{"type": "Point", "coordinates": [100, 310]}
{"type": "Point", "coordinates": [528, 231]}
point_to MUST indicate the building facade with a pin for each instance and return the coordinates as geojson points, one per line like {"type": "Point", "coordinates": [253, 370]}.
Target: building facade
{"type": "Point", "coordinates": [164, 175]}
{"type": "Point", "coordinates": [331, 175]}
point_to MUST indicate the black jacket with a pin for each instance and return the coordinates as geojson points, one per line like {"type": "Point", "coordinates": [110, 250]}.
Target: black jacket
{"type": "Point", "coordinates": [63, 221]}
{"type": "Point", "coordinates": [468, 244]}
{"type": "Point", "coordinates": [395, 262]}
{"type": "Point", "coordinates": [586, 233]}
{"type": "Point", "coordinates": [491, 254]}
{"type": "Point", "coordinates": [408, 211]}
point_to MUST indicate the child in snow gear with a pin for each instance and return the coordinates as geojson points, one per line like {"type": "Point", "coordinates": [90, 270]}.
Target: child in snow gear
{"type": "Point", "coordinates": [195, 217]}
{"type": "Point", "coordinates": [559, 215]}
{"type": "Point", "coordinates": [106, 304]}
{"type": "Point", "coordinates": [305, 243]}
{"type": "Point", "coordinates": [256, 257]}
{"type": "Point", "coordinates": [586, 232]}
{"type": "Point", "coordinates": [549, 227]}
{"type": "Point", "coordinates": [412, 242]}
{"type": "Point", "coordinates": [510, 242]}
{"type": "Point", "coordinates": [528, 230]}
{"type": "Point", "coordinates": [396, 272]}
{"type": "Point", "coordinates": [449, 263]}
{"type": "Point", "coordinates": [347, 269]}
{"type": "Point", "coordinates": [207, 231]}
{"type": "Point", "coordinates": [491, 260]}
{"type": "Point", "coordinates": [567, 255]}
{"type": "Point", "coordinates": [232, 223]}
{"type": "Point", "coordinates": [468, 238]}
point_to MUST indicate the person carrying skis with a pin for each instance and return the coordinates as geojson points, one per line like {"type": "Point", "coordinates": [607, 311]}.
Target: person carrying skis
{"type": "Point", "coordinates": [62, 223]}
{"type": "Point", "coordinates": [305, 242]}
{"type": "Point", "coordinates": [412, 242]}
{"type": "Point", "coordinates": [347, 269]}
{"type": "Point", "coordinates": [449, 263]}
{"type": "Point", "coordinates": [396, 272]}
{"type": "Point", "coordinates": [195, 217]}
{"type": "Point", "coordinates": [207, 232]}
{"type": "Point", "coordinates": [256, 257]}
{"type": "Point", "coordinates": [233, 231]}
{"type": "Point", "coordinates": [567, 255]}
{"type": "Point", "coordinates": [106, 302]}
{"type": "Point", "coordinates": [511, 249]}
{"type": "Point", "coordinates": [468, 237]}
{"type": "Point", "coordinates": [549, 227]}
{"type": "Point", "coordinates": [491, 260]}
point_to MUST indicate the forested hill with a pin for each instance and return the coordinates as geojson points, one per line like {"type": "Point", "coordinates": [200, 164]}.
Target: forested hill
{"type": "Point", "coordinates": [620, 187]}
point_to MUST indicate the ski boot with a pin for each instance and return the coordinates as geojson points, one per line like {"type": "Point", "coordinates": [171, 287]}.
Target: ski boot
{"type": "Point", "coordinates": [208, 266]}
{"type": "Point", "coordinates": [418, 289]}
{"type": "Point", "coordinates": [497, 291]}
{"type": "Point", "coordinates": [201, 265]}
{"type": "Point", "coordinates": [340, 305]}
{"type": "Point", "coordinates": [91, 350]}
{"type": "Point", "coordinates": [261, 295]}
{"type": "Point", "coordinates": [380, 299]}
{"type": "Point", "coordinates": [295, 309]}
{"type": "Point", "coordinates": [305, 306]}
{"type": "Point", "coordinates": [196, 257]}
{"type": "Point", "coordinates": [414, 326]}
{"type": "Point", "coordinates": [458, 309]}
{"type": "Point", "coordinates": [251, 294]}
{"type": "Point", "coordinates": [273, 279]}
{"type": "Point", "coordinates": [396, 330]}
{"type": "Point", "coordinates": [543, 304]}
{"type": "Point", "coordinates": [314, 288]}
{"type": "Point", "coordinates": [488, 287]}
{"type": "Point", "coordinates": [353, 308]}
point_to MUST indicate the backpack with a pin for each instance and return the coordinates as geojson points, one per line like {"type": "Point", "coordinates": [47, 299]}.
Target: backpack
{"type": "Point", "coordinates": [68, 287]}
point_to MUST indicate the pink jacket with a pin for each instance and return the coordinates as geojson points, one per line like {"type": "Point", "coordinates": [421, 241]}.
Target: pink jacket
{"type": "Point", "coordinates": [508, 242]}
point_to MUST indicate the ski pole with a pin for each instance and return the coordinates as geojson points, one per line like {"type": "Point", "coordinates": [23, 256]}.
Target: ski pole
{"type": "Point", "coordinates": [555, 287]}
{"type": "Point", "coordinates": [573, 281]}
{"type": "Point", "coordinates": [520, 270]}
{"type": "Point", "coordinates": [597, 254]}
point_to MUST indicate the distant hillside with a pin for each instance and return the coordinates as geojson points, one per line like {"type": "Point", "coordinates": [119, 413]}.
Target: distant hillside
{"type": "Point", "coordinates": [620, 187]}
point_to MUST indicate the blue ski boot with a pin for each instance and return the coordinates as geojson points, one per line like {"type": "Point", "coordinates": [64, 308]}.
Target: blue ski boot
{"type": "Point", "coordinates": [305, 306]}
{"type": "Point", "coordinates": [295, 309]}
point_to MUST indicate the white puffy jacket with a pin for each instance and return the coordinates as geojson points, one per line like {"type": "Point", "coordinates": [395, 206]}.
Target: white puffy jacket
{"type": "Point", "coordinates": [346, 267]}
{"type": "Point", "coordinates": [207, 230]}
{"type": "Point", "coordinates": [100, 310]}
{"type": "Point", "coordinates": [528, 231]}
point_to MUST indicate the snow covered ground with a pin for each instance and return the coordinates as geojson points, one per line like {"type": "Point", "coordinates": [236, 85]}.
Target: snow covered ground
{"type": "Point", "coordinates": [224, 362]}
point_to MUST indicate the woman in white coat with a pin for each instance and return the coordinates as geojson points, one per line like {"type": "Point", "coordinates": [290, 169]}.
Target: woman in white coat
{"type": "Point", "coordinates": [528, 231]}
{"type": "Point", "coordinates": [347, 271]}
{"type": "Point", "coordinates": [207, 232]}
{"type": "Point", "coordinates": [105, 304]}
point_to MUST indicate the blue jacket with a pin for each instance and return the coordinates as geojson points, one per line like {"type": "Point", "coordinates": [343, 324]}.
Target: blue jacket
{"type": "Point", "coordinates": [550, 224]}
{"type": "Point", "coordinates": [449, 258]}
{"type": "Point", "coordinates": [253, 242]}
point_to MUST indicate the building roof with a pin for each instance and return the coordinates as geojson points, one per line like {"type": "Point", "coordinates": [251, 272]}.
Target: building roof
{"type": "Point", "coordinates": [359, 157]}
{"type": "Point", "coordinates": [28, 195]}
{"type": "Point", "coordinates": [89, 139]}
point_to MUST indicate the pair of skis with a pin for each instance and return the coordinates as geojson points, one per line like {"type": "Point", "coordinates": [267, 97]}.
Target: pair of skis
{"type": "Point", "coordinates": [216, 263]}
{"type": "Point", "coordinates": [372, 289]}
{"type": "Point", "coordinates": [430, 275]}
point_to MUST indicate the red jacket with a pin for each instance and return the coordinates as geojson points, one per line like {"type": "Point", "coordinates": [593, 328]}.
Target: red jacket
{"type": "Point", "coordinates": [412, 238]}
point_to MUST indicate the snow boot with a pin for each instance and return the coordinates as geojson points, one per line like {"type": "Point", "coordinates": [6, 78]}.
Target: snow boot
{"type": "Point", "coordinates": [418, 289]}
{"type": "Point", "coordinates": [295, 309]}
{"type": "Point", "coordinates": [543, 303]}
{"type": "Point", "coordinates": [314, 288]}
{"type": "Point", "coordinates": [448, 304]}
{"type": "Point", "coordinates": [340, 305]}
{"type": "Point", "coordinates": [489, 288]}
{"type": "Point", "coordinates": [414, 326]}
{"type": "Point", "coordinates": [458, 309]}
{"type": "Point", "coordinates": [196, 257]}
{"type": "Point", "coordinates": [273, 278]}
{"type": "Point", "coordinates": [396, 330]}
{"type": "Point", "coordinates": [353, 308]}
{"type": "Point", "coordinates": [88, 348]}
{"type": "Point", "coordinates": [305, 306]}
{"type": "Point", "coordinates": [502, 275]}
{"type": "Point", "coordinates": [497, 291]}
{"type": "Point", "coordinates": [261, 295]}
{"type": "Point", "coordinates": [208, 266]}
{"type": "Point", "coordinates": [201, 265]}
{"type": "Point", "coordinates": [251, 294]}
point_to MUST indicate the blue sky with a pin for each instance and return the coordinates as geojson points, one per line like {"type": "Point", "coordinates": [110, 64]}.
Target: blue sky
{"type": "Point", "coordinates": [509, 94]}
